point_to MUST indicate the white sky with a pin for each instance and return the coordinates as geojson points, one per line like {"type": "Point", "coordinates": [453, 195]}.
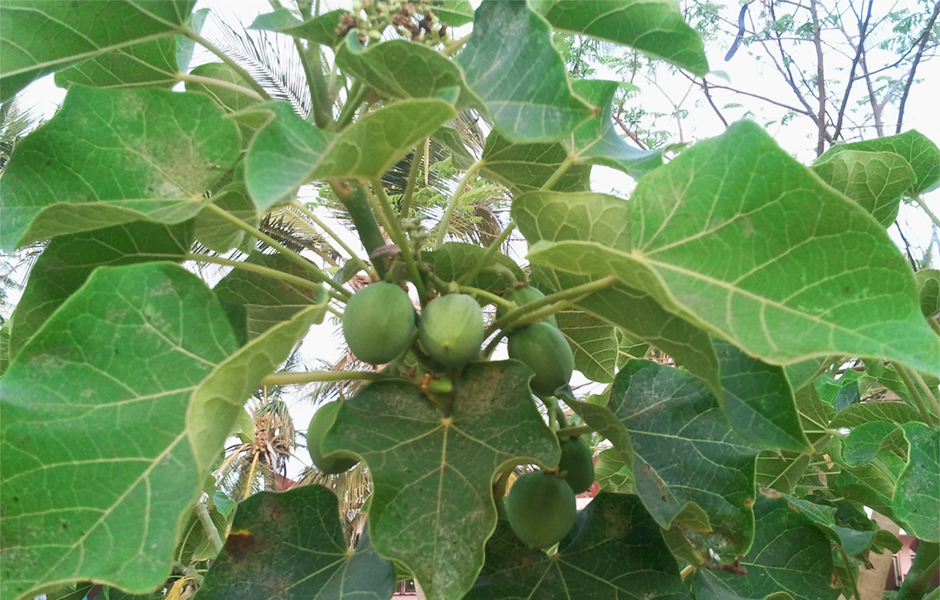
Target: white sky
{"type": "Point", "coordinates": [743, 71]}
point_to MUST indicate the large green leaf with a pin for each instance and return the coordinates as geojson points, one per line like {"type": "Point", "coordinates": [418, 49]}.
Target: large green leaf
{"type": "Point", "coordinates": [299, 533]}
{"type": "Point", "coordinates": [288, 151]}
{"type": "Point", "coordinates": [41, 37]}
{"type": "Point", "coordinates": [432, 472]}
{"type": "Point", "coordinates": [737, 237]}
{"type": "Point", "coordinates": [454, 12]}
{"type": "Point", "coordinates": [404, 69]}
{"type": "Point", "coordinates": [114, 156]}
{"type": "Point", "coordinates": [653, 26]}
{"type": "Point", "coordinates": [615, 550]}
{"type": "Point", "coordinates": [853, 541]}
{"type": "Point", "coordinates": [758, 401]}
{"type": "Point", "coordinates": [876, 180]}
{"type": "Point", "coordinates": [321, 29]}
{"type": "Point", "coordinates": [69, 260]}
{"type": "Point", "coordinates": [113, 414]}
{"type": "Point", "coordinates": [917, 495]}
{"type": "Point", "coordinates": [667, 413]}
{"type": "Point", "coordinates": [790, 557]}
{"type": "Point", "coordinates": [268, 300]}
{"type": "Point", "coordinates": [922, 155]}
{"type": "Point", "coordinates": [510, 63]}
{"type": "Point", "coordinates": [866, 441]}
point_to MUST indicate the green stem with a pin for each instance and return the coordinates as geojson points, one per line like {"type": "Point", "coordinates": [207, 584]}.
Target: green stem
{"type": "Point", "coordinates": [928, 393]}
{"type": "Point", "coordinates": [211, 532]}
{"type": "Point", "coordinates": [357, 94]}
{"type": "Point", "coordinates": [575, 431]}
{"type": "Point", "coordinates": [452, 206]}
{"type": "Point", "coordinates": [934, 595]}
{"type": "Point", "coordinates": [535, 317]}
{"type": "Point", "coordinates": [491, 251]}
{"type": "Point", "coordinates": [287, 252]}
{"type": "Point", "coordinates": [852, 572]}
{"type": "Point", "coordinates": [194, 36]}
{"type": "Point", "coordinates": [493, 298]}
{"type": "Point", "coordinates": [927, 210]}
{"type": "Point", "coordinates": [219, 83]}
{"type": "Point", "coordinates": [336, 238]}
{"type": "Point", "coordinates": [569, 294]}
{"type": "Point", "coordinates": [455, 45]}
{"type": "Point", "coordinates": [318, 376]}
{"type": "Point", "coordinates": [247, 266]}
{"type": "Point", "coordinates": [914, 392]}
{"type": "Point", "coordinates": [353, 196]}
{"type": "Point", "coordinates": [562, 168]}
{"type": "Point", "coordinates": [394, 229]}
{"type": "Point", "coordinates": [925, 564]}
{"type": "Point", "coordinates": [412, 181]}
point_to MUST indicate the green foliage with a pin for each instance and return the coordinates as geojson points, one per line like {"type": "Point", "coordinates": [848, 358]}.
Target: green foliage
{"type": "Point", "coordinates": [736, 317]}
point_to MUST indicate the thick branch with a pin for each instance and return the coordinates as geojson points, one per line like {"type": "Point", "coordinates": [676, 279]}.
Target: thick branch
{"type": "Point", "coordinates": [820, 83]}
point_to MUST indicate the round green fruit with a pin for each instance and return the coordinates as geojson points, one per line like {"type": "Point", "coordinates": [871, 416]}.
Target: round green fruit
{"type": "Point", "coordinates": [321, 422]}
{"type": "Point", "coordinates": [541, 508]}
{"type": "Point", "coordinates": [544, 350]}
{"type": "Point", "coordinates": [524, 295]}
{"type": "Point", "coordinates": [577, 464]}
{"type": "Point", "coordinates": [451, 329]}
{"type": "Point", "coordinates": [379, 322]}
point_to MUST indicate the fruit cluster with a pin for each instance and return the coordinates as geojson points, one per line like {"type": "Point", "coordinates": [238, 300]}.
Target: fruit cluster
{"type": "Point", "coordinates": [381, 325]}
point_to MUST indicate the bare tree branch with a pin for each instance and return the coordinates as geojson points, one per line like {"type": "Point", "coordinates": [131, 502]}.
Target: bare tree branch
{"type": "Point", "coordinates": [920, 52]}
{"type": "Point", "coordinates": [859, 50]}
{"type": "Point", "coordinates": [820, 83]}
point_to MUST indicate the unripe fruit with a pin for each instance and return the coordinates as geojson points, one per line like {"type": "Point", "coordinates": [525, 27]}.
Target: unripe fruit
{"type": "Point", "coordinates": [541, 508]}
{"type": "Point", "coordinates": [576, 464]}
{"type": "Point", "coordinates": [524, 295]}
{"type": "Point", "coordinates": [379, 322]}
{"type": "Point", "coordinates": [321, 422]}
{"type": "Point", "coordinates": [452, 329]}
{"type": "Point", "coordinates": [544, 350]}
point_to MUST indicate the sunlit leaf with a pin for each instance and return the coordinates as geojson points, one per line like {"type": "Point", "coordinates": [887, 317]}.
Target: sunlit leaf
{"type": "Point", "coordinates": [114, 156]}
{"type": "Point", "coordinates": [431, 472]}
{"type": "Point", "coordinates": [42, 37]}
{"type": "Point", "coordinates": [791, 289]}
{"type": "Point", "coordinates": [527, 167]}
{"type": "Point", "coordinates": [614, 550]}
{"type": "Point", "coordinates": [298, 533]}
{"type": "Point", "coordinates": [152, 64]}
{"type": "Point", "coordinates": [654, 26]}
{"type": "Point", "coordinates": [858, 414]}
{"type": "Point", "coordinates": [928, 285]}
{"type": "Point", "coordinates": [230, 100]}
{"type": "Point", "coordinates": [321, 29]}
{"type": "Point", "coordinates": [510, 63]}
{"type": "Point", "coordinates": [594, 343]}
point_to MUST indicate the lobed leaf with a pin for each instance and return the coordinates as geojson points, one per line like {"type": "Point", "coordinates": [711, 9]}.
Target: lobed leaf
{"type": "Point", "coordinates": [113, 156]}
{"type": "Point", "coordinates": [791, 289]}
{"type": "Point", "coordinates": [433, 472]}
{"type": "Point", "coordinates": [289, 546]}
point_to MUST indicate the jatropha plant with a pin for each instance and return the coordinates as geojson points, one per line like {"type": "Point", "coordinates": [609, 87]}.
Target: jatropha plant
{"type": "Point", "coordinates": [739, 464]}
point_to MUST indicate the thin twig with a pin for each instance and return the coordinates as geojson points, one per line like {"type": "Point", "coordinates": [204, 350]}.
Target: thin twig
{"type": "Point", "coordinates": [920, 52]}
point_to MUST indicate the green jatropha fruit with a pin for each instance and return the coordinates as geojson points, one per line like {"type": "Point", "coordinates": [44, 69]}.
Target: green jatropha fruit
{"type": "Point", "coordinates": [320, 424]}
{"type": "Point", "coordinates": [577, 464]}
{"type": "Point", "coordinates": [544, 350]}
{"type": "Point", "coordinates": [451, 329]}
{"type": "Point", "coordinates": [541, 508]}
{"type": "Point", "coordinates": [524, 295]}
{"type": "Point", "coordinates": [379, 323]}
